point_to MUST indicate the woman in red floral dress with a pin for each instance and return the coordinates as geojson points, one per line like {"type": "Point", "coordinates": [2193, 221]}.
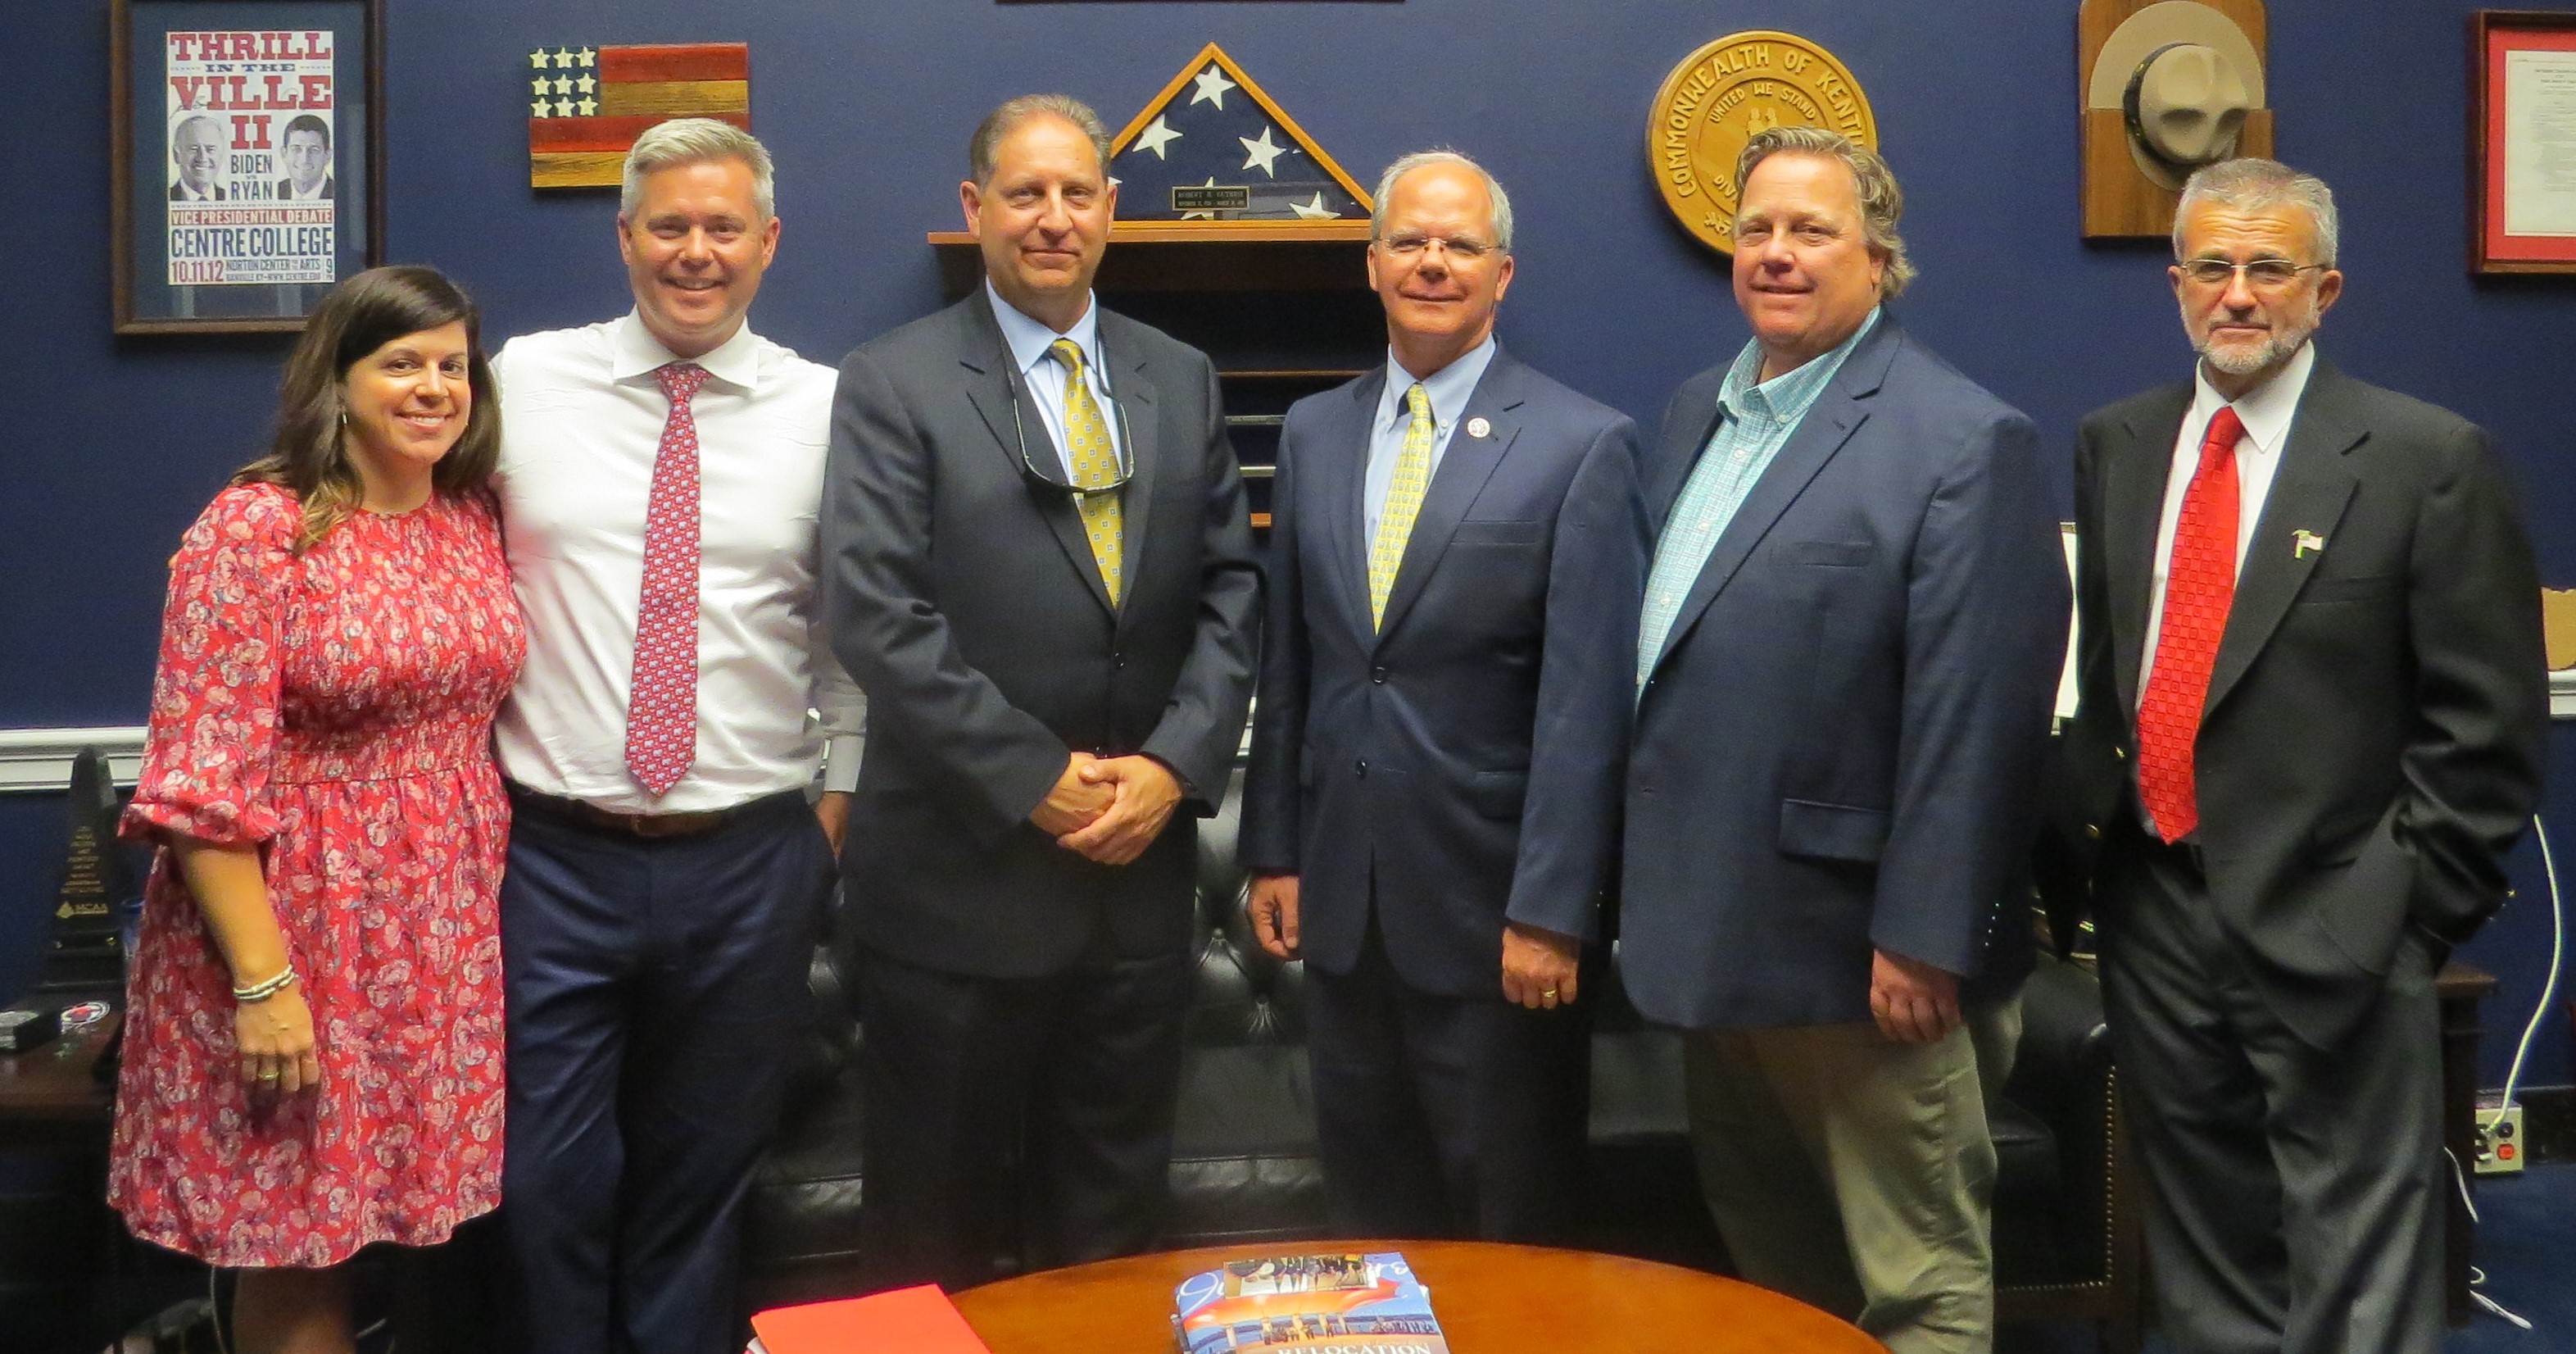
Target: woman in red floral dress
{"type": "Point", "coordinates": [313, 1050]}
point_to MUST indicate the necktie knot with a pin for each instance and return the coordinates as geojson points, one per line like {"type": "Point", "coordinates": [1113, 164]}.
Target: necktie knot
{"type": "Point", "coordinates": [1418, 400]}
{"type": "Point", "coordinates": [680, 380]}
{"type": "Point", "coordinates": [1069, 353]}
{"type": "Point", "coordinates": [2218, 445]}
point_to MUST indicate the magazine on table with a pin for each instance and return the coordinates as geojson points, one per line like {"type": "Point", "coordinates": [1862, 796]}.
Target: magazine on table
{"type": "Point", "coordinates": [1312, 1304]}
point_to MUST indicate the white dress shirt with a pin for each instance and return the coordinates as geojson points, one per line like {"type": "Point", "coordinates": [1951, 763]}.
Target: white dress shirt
{"type": "Point", "coordinates": [2266, 412]}
{"type": "Point", "coordinates": [582, 415]}
{"type": "Point", "coordinates": [1448, 390]}
{"type": "Point", "coordinates": [1029, 341]}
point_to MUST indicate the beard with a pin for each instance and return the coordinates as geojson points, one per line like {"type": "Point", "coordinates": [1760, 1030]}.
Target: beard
{"type": "Point", "coordinates": [2277, 347]}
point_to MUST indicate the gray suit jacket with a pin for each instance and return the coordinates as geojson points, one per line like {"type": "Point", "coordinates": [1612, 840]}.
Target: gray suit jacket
{"type": "Point", "coordinates": [2372, 738]}
{"type": "Point", "coordinates": [964, 599]}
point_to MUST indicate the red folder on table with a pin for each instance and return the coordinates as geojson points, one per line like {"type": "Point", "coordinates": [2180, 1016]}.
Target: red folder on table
{"type": "Point", "coordinates": [904, 1321]}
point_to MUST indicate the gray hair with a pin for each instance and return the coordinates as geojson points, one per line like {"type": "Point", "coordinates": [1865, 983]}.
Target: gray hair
{"type": "Point", "coordinates": [1502, 217]}
{"type": "Point", "coordinates": [1882, 202]}
{"type": "Point", "coordinates": [694, 141]}
{"type": "Point", "coordinates": [2252, 184]}
{"type": "Point", "coordinates": [1002, 121]}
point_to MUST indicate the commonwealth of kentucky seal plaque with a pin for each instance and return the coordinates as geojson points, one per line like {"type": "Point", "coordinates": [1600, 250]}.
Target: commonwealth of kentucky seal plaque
{"type": "Point", "coordinates": [1720, 96]}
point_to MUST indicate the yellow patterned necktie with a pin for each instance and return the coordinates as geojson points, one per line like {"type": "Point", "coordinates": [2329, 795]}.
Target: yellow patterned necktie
{"type": "Point", "coordinates": [1094, 459]}
{"type": "Point", "coordinates": [1403, 503]}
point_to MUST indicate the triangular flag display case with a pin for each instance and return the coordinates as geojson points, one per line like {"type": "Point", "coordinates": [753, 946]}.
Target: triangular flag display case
{"type": "Point", "coordinates": [1237, 233]}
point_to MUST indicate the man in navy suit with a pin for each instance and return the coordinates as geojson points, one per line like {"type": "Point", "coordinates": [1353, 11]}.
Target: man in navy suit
{"type": "Point", "coordinates": [1852, 629]}
{"type": "Point", "coordinates": [1432, 803]}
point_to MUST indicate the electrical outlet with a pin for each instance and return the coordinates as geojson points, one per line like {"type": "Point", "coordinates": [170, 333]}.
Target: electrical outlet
{"type": "Point", "coordinates": [2499, 1140]}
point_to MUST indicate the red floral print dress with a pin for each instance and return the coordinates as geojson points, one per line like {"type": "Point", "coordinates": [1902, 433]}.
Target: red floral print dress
{"type": "Point", "coordinates": [335, 707]}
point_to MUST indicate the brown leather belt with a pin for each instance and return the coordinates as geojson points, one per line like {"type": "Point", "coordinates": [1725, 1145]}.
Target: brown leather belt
{"type": "Point", "coordinates": [648, 826]}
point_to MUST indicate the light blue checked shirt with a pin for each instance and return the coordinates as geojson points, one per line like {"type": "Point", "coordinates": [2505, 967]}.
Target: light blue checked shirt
{"type": "Point", "coordinates": [1754, 422]}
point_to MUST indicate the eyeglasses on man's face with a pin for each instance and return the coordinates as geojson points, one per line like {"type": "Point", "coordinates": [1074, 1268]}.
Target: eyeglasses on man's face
{"type": "Point", "coordinates": [1409, 245]}
{"type": "Point", "coordinates": [2260, 274]}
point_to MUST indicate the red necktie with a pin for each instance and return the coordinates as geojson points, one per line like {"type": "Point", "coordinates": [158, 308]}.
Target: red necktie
{"type": "Point", "coordinates": [2200, 585]}
{"type": "Point", "coordinates": [662, 706]}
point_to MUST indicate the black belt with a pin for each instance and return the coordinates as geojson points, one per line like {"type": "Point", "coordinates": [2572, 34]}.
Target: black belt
{"type": "Point", "coordinates": [647, 826]}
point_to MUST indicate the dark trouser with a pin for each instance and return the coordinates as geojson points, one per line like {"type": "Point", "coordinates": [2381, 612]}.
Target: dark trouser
{"type": "Point", "coordinates": [1447, 1116]}
{"type": "Point", "coordinates": [1015, 1121]}
{"type": "Point", "coordinates": [2294, 1193]}
{"type": "Point", "coordinates": [656, 990]}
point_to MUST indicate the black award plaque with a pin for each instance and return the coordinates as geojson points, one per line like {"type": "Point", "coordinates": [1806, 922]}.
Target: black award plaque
{"type": "Point", "coordinates": [88, 951]}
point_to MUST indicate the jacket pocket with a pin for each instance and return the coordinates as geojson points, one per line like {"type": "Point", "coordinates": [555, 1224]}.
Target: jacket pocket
{"type": "Point", "coordinates": [1499, 794]}
{"type": "Point", "coordinates": [2368, 588]}
{"type": "Point", "coordinates": [1831, 554]}
{"type": "Point", "coordinates": [1832, 831]}
{"type": "Point", "coordinates": [1500, 531]}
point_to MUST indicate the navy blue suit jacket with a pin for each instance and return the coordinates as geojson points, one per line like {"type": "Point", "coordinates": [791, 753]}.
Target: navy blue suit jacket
{"type": "Point", "coordinates": [1836, 749]}
{"type": "Point", "coordinates": [1467, 753]}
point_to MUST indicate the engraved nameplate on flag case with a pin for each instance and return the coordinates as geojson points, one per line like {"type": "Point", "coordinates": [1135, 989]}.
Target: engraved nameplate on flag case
{"type": "Point", "coordinates": [1206, 199]}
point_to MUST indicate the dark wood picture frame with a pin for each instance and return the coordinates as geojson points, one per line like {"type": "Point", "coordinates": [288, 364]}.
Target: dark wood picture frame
{"type": "Point", "coordinates": [2492, 34]}
{"type": "Point", "coordinates": [146, 301]}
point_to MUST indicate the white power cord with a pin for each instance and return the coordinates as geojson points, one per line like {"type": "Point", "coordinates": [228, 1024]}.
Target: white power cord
{"type": "Point", "coordinates": [2557, 956]}
{"type": "Point", "coordinates": [2513, 1077]}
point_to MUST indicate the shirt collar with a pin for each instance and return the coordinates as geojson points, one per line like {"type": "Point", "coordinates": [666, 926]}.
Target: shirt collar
{"type": "Point", "coordinates": [1785, 398]}
{"type": "Point", "coordinates": [1448, 388]}
{"type": "Point", "coordinates": [2266, 410]}
{"type": "Point", "coordinates": [633, 351]}
{"type": "Point", "coordinates": [1029, 339]}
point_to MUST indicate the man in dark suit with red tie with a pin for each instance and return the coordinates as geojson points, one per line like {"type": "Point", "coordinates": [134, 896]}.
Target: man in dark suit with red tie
{"type": "Point", "coordinates": [2312, 711]}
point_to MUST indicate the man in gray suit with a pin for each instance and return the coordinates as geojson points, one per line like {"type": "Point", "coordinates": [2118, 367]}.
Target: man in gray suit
{"type": "Point", "coordinates": [2313, 707]}
{"type": "Point", "coordinates": [1038, 564]}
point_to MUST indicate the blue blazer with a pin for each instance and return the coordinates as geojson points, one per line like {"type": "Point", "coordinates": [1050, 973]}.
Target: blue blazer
{"type": "Point", "coordinates": [1466, 756]}
{"type": "Point", "coordinates": [1836, 750]}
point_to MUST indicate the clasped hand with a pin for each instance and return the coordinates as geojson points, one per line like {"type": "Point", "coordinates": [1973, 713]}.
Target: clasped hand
{"type": "Point", "coordinates": [1108, 809]}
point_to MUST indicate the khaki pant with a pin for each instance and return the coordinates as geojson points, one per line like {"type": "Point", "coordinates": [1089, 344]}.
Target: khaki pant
{"type": "Point", "coordinates": [1855, 1173]}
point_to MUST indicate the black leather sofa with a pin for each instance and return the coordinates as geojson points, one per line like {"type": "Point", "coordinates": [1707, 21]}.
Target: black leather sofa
{"type": "Point", "coordinates": [1245, 1168]}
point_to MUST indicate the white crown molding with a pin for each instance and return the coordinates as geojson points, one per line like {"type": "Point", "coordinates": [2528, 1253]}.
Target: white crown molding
{"type": "Point", "coordinates": [40, 760]}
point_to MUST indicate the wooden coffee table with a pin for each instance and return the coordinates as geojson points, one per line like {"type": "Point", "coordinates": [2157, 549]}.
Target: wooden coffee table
{"type": "Point", "coordinates": [1491, 1299]}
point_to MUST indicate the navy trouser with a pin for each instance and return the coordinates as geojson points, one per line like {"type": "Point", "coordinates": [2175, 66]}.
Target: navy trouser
{"type": "Point", "coordinates": [656, 992]}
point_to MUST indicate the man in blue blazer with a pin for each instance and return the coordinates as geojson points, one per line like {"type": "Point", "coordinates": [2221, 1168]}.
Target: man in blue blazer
{"type": "Point", "coordinates": [1432, 804]}
{"type": "Point", "coordinates": [1853, 624]}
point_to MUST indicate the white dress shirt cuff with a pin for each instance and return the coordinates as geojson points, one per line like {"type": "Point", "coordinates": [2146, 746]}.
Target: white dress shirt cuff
{"type": "Point", "coordinates": [841, 762]}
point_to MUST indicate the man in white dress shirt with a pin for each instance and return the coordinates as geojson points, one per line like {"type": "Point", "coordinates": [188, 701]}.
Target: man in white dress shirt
{"type": "Point", "coordinates": [660, 490]}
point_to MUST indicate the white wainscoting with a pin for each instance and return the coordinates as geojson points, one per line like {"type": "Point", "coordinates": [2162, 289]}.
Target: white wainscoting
{"type": "Point", "coordinates": [40, 760]}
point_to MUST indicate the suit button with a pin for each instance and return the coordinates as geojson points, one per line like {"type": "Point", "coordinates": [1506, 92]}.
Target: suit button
{"type": "Point", "coordinates": [1118, 660]}
{"type": "Point", "coordinates": [1378, 675]}
{"type": "Point", "coordinates": [1360, 769]}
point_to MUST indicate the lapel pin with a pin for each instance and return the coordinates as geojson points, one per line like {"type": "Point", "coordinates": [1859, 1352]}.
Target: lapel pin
{"type": "Point", "coordinates": [1477, 427]}
{"type": "Point", "coordinates": [2305, 543]}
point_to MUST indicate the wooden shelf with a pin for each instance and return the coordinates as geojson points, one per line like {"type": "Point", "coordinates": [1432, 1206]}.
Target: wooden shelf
{"type": "Point", "coordinates": [1210, 256]}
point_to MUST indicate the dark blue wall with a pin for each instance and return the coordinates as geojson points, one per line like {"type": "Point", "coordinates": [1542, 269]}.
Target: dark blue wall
{"type": "Point", "coordinates": [868, 105]}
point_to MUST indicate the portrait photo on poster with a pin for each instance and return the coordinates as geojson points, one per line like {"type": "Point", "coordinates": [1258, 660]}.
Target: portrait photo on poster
{"type": "Point", "coordinates": [247, 159]}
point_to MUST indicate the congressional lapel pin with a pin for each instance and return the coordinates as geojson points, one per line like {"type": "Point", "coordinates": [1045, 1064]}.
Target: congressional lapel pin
{"type": "Point", "coordinates": [2305, 543]}
{"type": "Point", "coordinates": [1478, 427]}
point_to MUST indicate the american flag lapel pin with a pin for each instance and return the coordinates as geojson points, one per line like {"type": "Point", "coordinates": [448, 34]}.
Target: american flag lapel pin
{"type": "Point", "coordinates": [2305, 543]}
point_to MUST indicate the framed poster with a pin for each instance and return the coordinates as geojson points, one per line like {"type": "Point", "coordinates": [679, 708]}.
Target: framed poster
{"type": "Point", "coordinates": [247, 159]}
{"type": "Point", "coordinates": [2522, 142]}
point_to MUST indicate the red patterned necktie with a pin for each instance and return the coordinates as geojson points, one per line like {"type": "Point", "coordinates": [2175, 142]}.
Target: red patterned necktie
{"type": "Point", "coordinates": [2200, 585]}
{"type": "Point", "coordinates": [662, 705]}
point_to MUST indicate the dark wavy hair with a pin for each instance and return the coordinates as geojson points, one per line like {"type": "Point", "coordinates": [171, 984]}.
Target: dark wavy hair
{"type": "Point", "coordinates": [362, 314]}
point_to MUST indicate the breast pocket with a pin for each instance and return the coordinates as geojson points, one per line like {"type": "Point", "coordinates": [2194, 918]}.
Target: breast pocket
{"type": "Point", "coordinates": [1826, 554]}
{"type": "Point", "coordinates": [2364, 588]}
{"type": "Point", "coordinates": [1500, 531]}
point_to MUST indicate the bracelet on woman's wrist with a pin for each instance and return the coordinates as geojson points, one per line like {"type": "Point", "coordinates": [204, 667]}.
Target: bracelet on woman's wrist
{"type": "Point", "coordinates": [265, 988]}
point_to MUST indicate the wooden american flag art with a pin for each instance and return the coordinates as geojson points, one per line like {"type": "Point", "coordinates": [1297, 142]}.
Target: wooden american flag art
{"type": "Point", "coordinates": [586, 105]}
